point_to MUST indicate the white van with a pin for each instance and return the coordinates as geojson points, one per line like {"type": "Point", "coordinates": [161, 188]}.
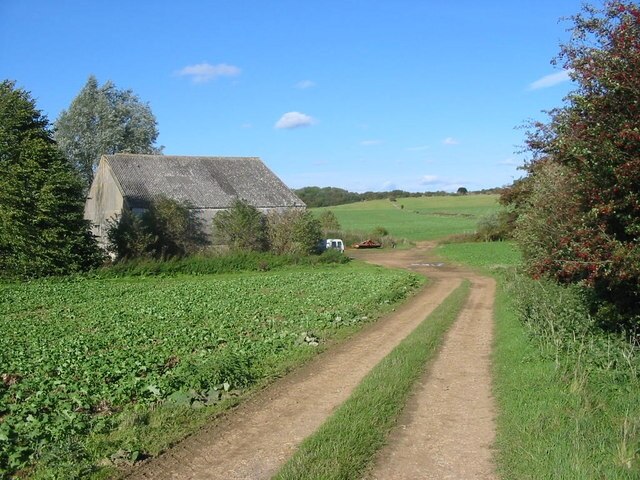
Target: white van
{"type": "Point", "coordinates": [335, 243]}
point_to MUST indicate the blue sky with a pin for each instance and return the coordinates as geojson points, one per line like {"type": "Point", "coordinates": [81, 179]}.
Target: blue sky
{"type": "Point", "coordinates": [363, 95]}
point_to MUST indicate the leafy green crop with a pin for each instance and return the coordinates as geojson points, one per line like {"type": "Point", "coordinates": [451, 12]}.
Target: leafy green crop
{"type": "Point", "coordinates": [73, 353]}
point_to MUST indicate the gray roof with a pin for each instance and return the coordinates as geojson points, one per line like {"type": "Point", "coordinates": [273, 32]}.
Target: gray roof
{"type": "Point", "coordinates": [204, 182]}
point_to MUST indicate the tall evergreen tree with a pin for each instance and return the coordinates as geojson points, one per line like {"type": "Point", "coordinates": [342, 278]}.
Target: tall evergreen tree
{"type": "Point", "coordinates": [42, 230]}
{"type": "Point", "coordinates": [104, 120]}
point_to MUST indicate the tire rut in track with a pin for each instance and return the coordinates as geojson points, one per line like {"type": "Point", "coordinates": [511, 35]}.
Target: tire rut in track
{"type": "Point", "coordinates": [447, 428]}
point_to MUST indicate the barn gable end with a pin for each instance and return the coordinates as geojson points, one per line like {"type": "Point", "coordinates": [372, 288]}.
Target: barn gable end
{"type": "Point", "coordinates": [104, 200]}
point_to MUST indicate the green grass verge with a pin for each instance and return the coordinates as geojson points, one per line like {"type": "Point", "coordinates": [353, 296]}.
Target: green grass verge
{"type": "Point", "coordinates": [568, 398]}
{"type": "Point", "coordinates": [488, 256]}
{"type": "Point", "coordinates": [214, 264]}
{"type": "Point", "coordinates": [422, 218]}
{"type": "Point", "coordinates": [346, 443]}
{"type": "Point", "coordinates": [567, 393]}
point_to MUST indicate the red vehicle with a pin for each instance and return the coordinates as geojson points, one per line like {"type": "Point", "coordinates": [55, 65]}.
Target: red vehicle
{"type": "Point", "coordinates": [367, 244]}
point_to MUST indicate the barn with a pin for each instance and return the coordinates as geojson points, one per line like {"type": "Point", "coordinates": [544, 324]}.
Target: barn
{"type": "Point", "coordinates": [208, 184]}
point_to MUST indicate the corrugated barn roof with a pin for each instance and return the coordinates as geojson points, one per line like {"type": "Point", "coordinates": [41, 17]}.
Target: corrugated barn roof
{"type": "Point", "coordinates": [204, 182]}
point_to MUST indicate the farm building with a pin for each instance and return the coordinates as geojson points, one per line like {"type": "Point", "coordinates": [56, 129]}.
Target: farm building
{"type": "Point", "coordinates": [208, 184]}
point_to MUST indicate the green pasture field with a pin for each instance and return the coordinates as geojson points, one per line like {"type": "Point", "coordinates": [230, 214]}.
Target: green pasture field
{"type": "Point", "coordinates": [417, 218]}
{"type": "Point", "coordinates": [486, 255]}
{"type": "Point", "coordinates": [77, 354]}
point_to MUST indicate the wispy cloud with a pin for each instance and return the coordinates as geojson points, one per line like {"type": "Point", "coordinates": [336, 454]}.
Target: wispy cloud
{"type": "Point", "coordinates": [551, 80]}
{"type": "Point", "coordinates": [205, 72]}
{"type": "Point", "coordinates": [418, 148]}
{"type": "Point", "coordinates": [450, 141]}
{"type": "Point", "coordinates": [436, 182]}
{"type": "Point", "coordinates": [369, 143]}
{"type": "Point", "coordinates": [304, 84]}
{"type": "Point", "coordinates": [430, 180]}
{"type": "Point", "coordinates": [294, 120]}
{"type": "Point", "coordinates": [511, 162]}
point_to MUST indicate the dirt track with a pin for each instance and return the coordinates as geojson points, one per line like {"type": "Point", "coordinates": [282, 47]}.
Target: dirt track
{"type": "Point", "coordinates": [446, 431]}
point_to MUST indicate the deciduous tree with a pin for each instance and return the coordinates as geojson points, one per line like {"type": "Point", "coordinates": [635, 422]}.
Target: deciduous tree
{"type": "Point", "coordinates": [242, 227]}
{"type": "Point", "coordinates": [293, 231]}
{"type": "Point", "coordinates": [328, 221]}
{"type": "Point", "coordinates": [175, 227]}
{"type": "Point", "coordinates": [104, 120]}
{"type": "Point", "coordinates": [167, 229]}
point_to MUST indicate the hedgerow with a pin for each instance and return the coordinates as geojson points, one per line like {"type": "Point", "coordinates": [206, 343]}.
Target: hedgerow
{"type": "Point", "coordinates": [579, 207]}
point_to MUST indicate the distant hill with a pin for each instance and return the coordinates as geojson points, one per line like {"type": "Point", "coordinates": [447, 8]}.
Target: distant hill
{"type": "Point", "coordinates": [330, 196]}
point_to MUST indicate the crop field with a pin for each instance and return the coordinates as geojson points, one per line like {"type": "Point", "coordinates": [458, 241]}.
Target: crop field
{"type": "Point", "coordinates": [417, 218]}
{"type": "Point", "coordinates": [74, 353]}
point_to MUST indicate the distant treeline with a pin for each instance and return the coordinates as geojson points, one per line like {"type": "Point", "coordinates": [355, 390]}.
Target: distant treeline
{"type": "Point", "coordinates": [330, 196]}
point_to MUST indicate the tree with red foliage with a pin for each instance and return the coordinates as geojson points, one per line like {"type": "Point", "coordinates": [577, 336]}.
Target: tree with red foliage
{"type": "Point", "coordinates": [595, 137]}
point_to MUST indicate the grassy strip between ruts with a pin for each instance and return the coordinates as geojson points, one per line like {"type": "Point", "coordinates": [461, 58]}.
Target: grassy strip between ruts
{"type": "Point", "coordinates": [346, 443]}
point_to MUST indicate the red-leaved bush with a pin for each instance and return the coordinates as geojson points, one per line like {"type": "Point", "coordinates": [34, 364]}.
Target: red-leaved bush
{"type": "Point", "coordinates": [592, 218]}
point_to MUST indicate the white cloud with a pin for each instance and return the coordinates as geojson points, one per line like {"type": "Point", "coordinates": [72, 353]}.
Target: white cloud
{"type": "Point", "coordinates": [294, 120]}
{"type": "Point", "coordinates": [368, 143]}
{"type": "Point", "coordinates": [512, 162]}
{"type": "Point", "coordinates": [438, 183]}
{"type": "Point", "coordinates": [247, 125]}
{"type": "Point", "coordinates": [304, 84]}
{"type": "Point", "coordinates": [418, 148]}
{"type": "Point", "coordinates": [551, 80]}
{"type": "Point", "coordinates": [205, 72]}
{"type": "Point", "coordinates": [450, 141]}
{"type": "Point", "coordinates": [430, 180]}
